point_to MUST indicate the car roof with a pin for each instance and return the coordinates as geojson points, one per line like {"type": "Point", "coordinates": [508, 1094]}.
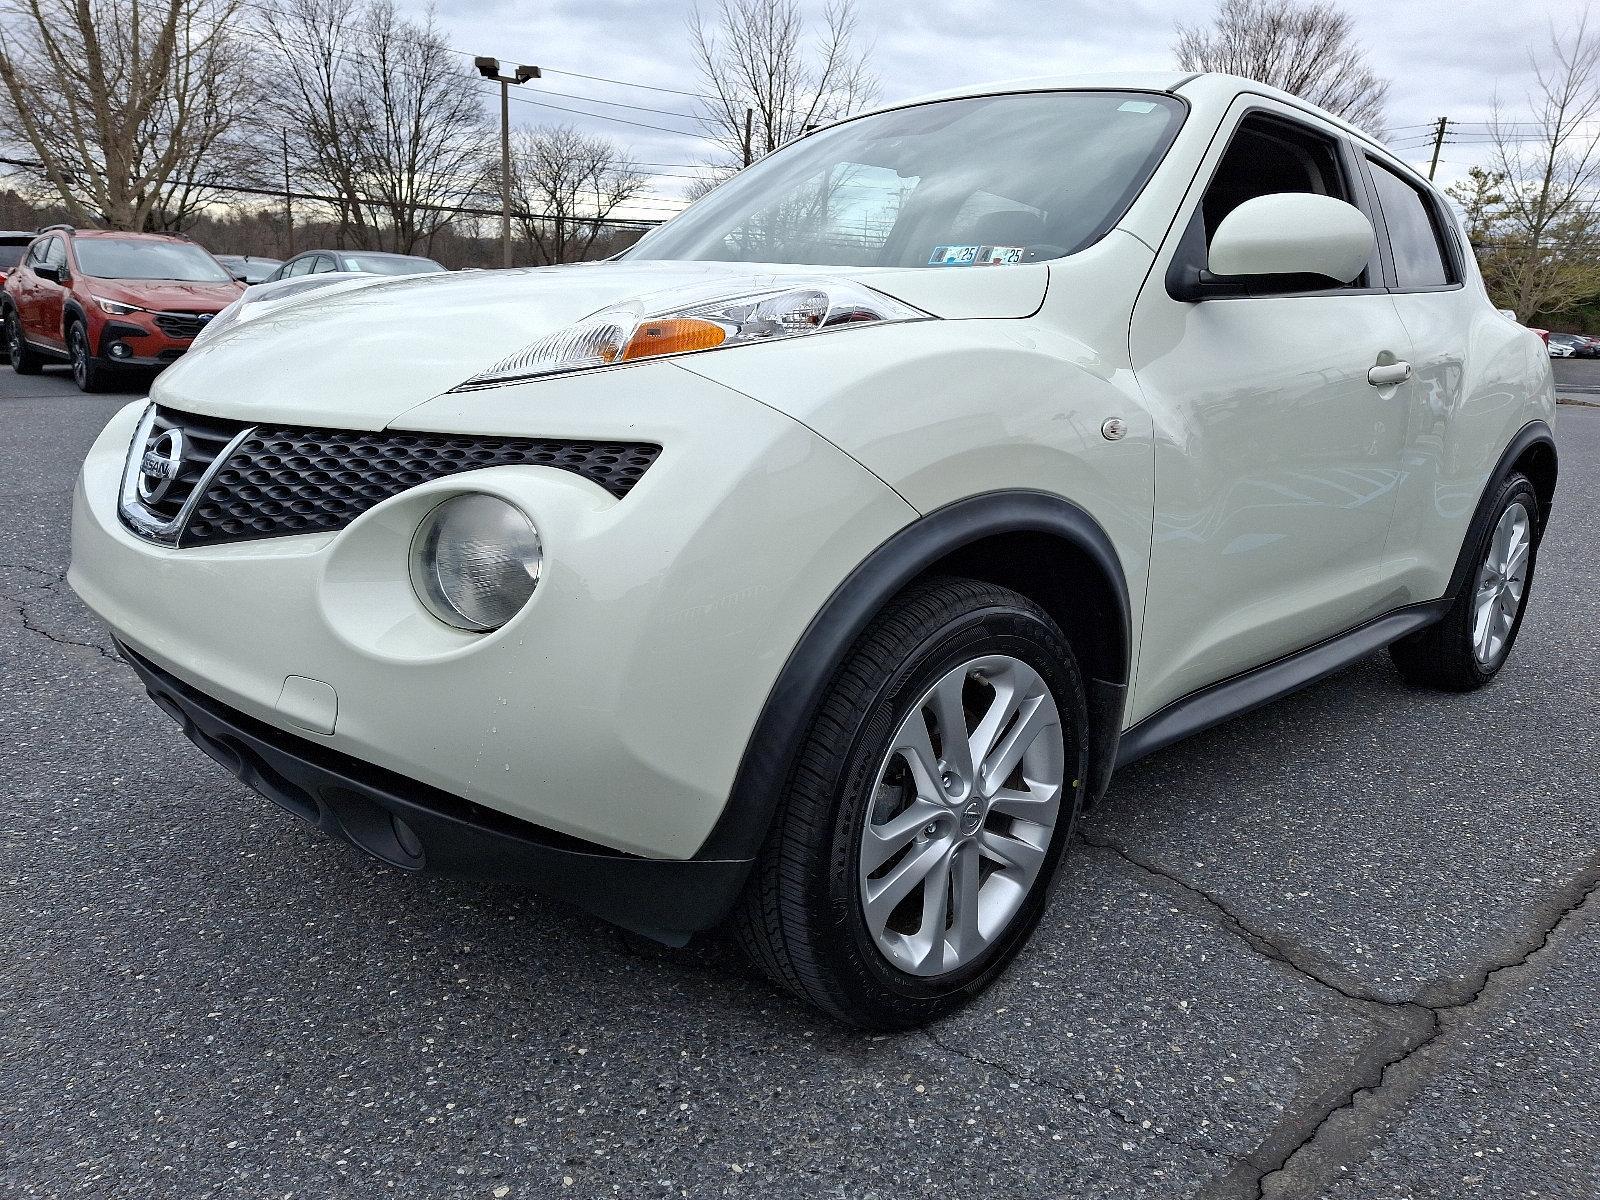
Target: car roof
{"type": "Point", "coordinates": [127, 233]}
{"type": "Point", "coordinates": [1209, 89]}
{"type": "Point", "coordinates": [1212, 92]}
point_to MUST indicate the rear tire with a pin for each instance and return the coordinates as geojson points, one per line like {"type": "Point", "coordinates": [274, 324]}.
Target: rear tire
{"type": "Point", "coordinates": [1466, 648]}
{"type": "Point", "coordinates": [824, 914]}
{"type": "Point", "coordinates": [24, 361]}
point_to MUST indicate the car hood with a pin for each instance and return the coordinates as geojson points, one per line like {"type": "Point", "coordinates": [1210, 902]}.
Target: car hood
{"type": "Point", "coordinates": [167, 295]}
{"type": "Point", "coordinates": [358, 358]}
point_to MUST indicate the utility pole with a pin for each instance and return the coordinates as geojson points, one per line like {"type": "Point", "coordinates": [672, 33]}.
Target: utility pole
{"type": "Point", "coordinates": [288, 198]}
{"type": "Point", "coordinates": [489, 68]}
{"type": "Point", "coordinates": [1439, 131]}
{"type": "Point", "coordinates": [749, 121]}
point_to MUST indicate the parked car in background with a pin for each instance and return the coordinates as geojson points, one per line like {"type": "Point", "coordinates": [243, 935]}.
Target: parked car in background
{"type": "Point", "coordinates": [811, 565]}
{"type": "Point", "coordinates": [249, 268]}
{"type": "Point", "coordinates": [364, 262]}
{"type": "Point", "coordinates": [13, 244]}
{"type": "Point", "coordinates": [1561, 345]}
{"type": "Point", "coordinates": [105, 301]}
{"type": "Point", "coordinates": [1581, 345]}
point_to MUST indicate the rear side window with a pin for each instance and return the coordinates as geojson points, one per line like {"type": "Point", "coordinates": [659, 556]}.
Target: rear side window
{"type": "Point", "coordinates": [1414, 242]}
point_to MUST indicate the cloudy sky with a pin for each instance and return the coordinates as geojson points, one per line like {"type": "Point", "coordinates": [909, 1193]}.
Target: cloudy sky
{"type": "Point", "coordinates": [1444, 59]}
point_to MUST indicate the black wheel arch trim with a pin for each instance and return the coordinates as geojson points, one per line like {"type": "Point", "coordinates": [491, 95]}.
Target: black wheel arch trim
{"type": "Point", "coordinates": [73, 311]}
{"type": "Point", "coordinates": [1534, 433]}
{"type": "Point", "coordinates": [769, 755]}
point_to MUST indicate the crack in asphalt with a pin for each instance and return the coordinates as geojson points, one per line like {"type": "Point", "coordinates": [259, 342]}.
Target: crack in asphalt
{"type": "Point", "coordinates": [1446, 1018]}
{"type": "Point", "coordinates": [23, 606]}
{"type": "Point", "coordinates": [1029, 1079]}
{"type": "Point", "coordinates": [1371, 1078]}
{"type": "Point", "coordinates": [1258, 941]}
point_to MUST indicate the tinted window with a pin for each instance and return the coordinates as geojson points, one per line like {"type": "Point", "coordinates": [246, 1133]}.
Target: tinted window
{"type": "Point", "coordinates": [131, 258]}
{"type": "Point", "coordinates": [322, 265]}
{"type": "Point", "coordinates": [979, 180]}
{"type": "Point", "coordinates": [1269, 156]}
{"type": "Point", "coordinates": [1419, 259]}
{"type": "Point", "coordinates": [390, 264]}
{"type": "Point", "coordinates": [298, 266]}
{"type": "Point", "coordinates": [10, 256]}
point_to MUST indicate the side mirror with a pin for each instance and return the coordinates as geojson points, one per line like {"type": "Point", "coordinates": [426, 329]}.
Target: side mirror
{"type": "Point", "coordinates": [45, 271]}
{"type": "Point", "coordinates": [1286, 242]}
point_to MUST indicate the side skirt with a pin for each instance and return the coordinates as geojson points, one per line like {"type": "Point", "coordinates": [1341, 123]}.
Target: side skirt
{"type": "Point", "coordinates": [1262, 685]}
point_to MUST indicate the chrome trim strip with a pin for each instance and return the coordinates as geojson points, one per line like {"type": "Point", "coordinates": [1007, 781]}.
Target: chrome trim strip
{"type": "Point", "coordinates": [133, 511]}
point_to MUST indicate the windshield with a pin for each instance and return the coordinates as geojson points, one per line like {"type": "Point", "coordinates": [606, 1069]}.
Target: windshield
{"type": "Point", "coordinates": [129, 258]}
{"type": "Point", "coordinates": [390, 264]}
{"type": "Point", "coordinates": [977, 181]}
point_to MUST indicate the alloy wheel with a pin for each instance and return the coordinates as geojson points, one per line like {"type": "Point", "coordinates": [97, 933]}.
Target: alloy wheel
{"type": "Point", "coordinates": [14, 342]}
{"type": "Point", "coordinates": [962, 815]}
{"type": "Point", "coordinates": [80, 356]}
{"type": "Point", "coordinates": [1502, 580]}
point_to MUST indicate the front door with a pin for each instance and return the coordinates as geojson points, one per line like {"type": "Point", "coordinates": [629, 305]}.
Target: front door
{"type": "Point", "coordinates": [1277, 460]}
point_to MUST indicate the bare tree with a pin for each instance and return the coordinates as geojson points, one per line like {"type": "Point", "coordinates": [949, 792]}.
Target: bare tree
{"type": "Point", "coordinates": [764, 84]}
{"type": "Point", "coordinates": [135, 108]}
{"type": "Point", "coordinates": [1308, 49]}
{"type": "Point", "coordinates": [564, 184]}
{"type": "Point", "coordinates": [1532, 214]}
{"type": "Point", "coordinates": [381, 115]}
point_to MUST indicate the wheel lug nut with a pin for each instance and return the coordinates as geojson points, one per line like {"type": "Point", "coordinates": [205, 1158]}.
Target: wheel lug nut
{"type": "Point", "coordinates": [932, 829]}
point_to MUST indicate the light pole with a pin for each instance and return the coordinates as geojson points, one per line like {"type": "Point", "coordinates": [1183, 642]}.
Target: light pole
{"type": "Point", "coordinates": [489, 68]}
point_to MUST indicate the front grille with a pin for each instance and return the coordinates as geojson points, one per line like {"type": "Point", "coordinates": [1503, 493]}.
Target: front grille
{"type": "Point", "coordinates": [182, 324]}
{"type": "Point", "coordinates": [203, 439]}
{"type": "Point", "coordinates": [278, 480]}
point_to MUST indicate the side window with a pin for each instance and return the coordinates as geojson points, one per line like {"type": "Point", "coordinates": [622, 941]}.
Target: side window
{"type": "Point", "coordinates": [1414, 243]}
{"type": "Point", "coordinates": [1268, 156]}
{"type": "Point", "coordinates": [36, 252]}
{"type": "Point", "coordinates": [323, 264]}
{"type": "Point", "coordinates": [298, 267]}
{"type": "Point", "coordinates": [56, 252]}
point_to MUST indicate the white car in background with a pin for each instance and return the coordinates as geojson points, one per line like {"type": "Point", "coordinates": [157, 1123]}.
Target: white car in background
{"type": "Point", "coordinates": [813, 564]}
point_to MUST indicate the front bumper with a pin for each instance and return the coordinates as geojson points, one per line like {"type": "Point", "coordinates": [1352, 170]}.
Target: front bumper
{"type": "Point", "coordinates": [616, 706]}
{"type": "Point", "coordinates": [147, 343]}
{"type": "Point", "coordinates": [414, 827]}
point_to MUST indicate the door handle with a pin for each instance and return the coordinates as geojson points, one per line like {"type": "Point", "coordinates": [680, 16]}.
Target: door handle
{"type": "Point", "coordinates": [1389, 374]}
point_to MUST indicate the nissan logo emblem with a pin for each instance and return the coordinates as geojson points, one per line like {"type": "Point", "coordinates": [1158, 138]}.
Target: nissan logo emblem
{"type": "Point", "coordinates": [158, 469]}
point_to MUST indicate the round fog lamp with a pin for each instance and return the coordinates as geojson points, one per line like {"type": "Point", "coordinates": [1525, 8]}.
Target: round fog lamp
{"type": "Point", "coordinates": [475, 561]}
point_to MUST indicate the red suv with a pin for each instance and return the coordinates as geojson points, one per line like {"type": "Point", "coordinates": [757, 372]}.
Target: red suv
{"type": "Point", "coordinates": [103, 300]}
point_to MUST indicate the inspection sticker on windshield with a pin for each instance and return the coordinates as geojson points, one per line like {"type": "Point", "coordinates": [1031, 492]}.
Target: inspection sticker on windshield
{"type": "Point", "coordinates": [969, 256]}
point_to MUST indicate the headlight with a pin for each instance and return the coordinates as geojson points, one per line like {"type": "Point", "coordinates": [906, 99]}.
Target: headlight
{"type": "Point", "coordinates": [657, 326]}
{"type": "Point", "coordinates": [116, 307]}
{"type": "Point", "coordinates": [475, 561]}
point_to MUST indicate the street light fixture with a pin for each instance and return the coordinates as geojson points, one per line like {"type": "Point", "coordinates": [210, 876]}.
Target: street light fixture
{"type": "Point", "coordinates": [489, 68]}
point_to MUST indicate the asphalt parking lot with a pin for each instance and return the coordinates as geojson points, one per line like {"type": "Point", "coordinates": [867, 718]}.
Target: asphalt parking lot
{"type": "Point", "coordinates": [1344, 947]}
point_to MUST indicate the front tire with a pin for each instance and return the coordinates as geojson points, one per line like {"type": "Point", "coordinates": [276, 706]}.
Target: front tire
{"type": "Point", "coordinates": [932, 799]}
{"type": "Point", "coordinates": [88, 372]}
{"type": "Point", "coordinates": [24, 361]}
{"type": "Point", "coordinates": [1466, 648]}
